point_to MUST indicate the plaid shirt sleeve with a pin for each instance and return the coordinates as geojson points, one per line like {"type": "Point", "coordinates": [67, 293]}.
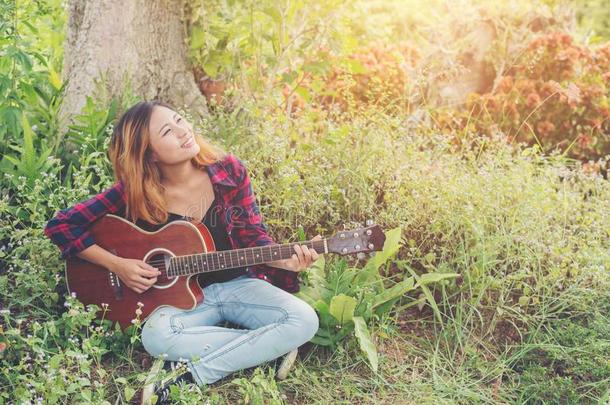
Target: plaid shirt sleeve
{"type": "Point", "coordinates": [249, 230]}
{"type": "Point", "coordinates": [68, 229]}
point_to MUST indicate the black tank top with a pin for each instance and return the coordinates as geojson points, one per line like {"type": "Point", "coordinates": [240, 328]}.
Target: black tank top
{"type": "Point", "coordinates": [221, 240]}
{"type": "Point", "coordinates": [219, 234]}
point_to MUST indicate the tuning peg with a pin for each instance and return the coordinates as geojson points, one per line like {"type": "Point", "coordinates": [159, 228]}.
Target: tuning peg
{"type": "Point", "coordinates": [369, 222]}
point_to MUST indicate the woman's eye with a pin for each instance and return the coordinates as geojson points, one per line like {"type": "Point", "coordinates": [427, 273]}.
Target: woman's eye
{"type": "Point", "coordinates": [166, 132]}
{"type": "Point", "coordinates": [179, 119]}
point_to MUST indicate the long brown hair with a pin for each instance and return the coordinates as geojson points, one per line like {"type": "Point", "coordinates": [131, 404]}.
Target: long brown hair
{"type": "Point", "coordinates": [131, 159]}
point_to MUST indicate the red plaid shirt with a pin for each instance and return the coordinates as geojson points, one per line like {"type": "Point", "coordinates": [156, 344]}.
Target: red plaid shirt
{"type": "Point", "coordinates": [242, 219]}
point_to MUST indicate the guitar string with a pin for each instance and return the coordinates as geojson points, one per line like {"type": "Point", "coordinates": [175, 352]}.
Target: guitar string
{"type": "Point", "coordinates": [282, 249]}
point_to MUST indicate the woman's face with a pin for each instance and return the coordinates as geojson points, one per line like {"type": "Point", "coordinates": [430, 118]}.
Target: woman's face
{"type": "Point", "coordinates": [171, 137]}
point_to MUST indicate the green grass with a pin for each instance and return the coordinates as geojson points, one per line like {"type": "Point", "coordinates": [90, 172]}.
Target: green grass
{"type": "Point", "coordinates": [528, 234]}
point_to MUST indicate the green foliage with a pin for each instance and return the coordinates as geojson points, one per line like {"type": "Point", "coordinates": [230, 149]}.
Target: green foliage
{"type": "Point", "coordinates": [568, 361]}
{"type": "Point", "coordinates": [29, 82]}
{"type": "Point", "coordinates": [350, 299]}
{"type": "Point", "coordinates": [266, 42]}
{"type": "Point", "coordinates": [259, 389]}
{"type": "Point", "coordinates": [593, 18]}
{"type": "Point", "coordinates": [528, 232]}
{"type": "Point", "coordinates": [54, 359]}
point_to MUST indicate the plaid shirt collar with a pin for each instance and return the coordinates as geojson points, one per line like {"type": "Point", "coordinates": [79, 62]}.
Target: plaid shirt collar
{"type": "Point", "coordinates": [219, 175]}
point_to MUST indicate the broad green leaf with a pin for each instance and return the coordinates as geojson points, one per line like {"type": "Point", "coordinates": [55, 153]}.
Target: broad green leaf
{"type": "Point", "coordinates": [321, 341]}
{"type": "Point", "coordinates": [395, 291]}
{"type": "Point", "coordinates": [370, 271]}
{"type": "Point", "coordinates": [197, 37]}
{"type": "Point", "coordinates": [316, 282]}
{"type": "Point", "coordinates": [303, 92]}
{"type": "Point", "coordinates": [366, 343]}
{"type": "Point", "coordinates": [342, 308]}
{"type": "Point", "coordinates": [129, 393]}
{"type": "Point", "coordinates": [211, 69]}
{"type": "Point", "coordinates": [55, 361]}
{"type": "Point", "coordinates": [321, 307]}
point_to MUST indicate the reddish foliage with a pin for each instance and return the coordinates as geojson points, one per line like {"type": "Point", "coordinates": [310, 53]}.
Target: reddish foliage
{"type": "Point", "coordinates": [558, 92]}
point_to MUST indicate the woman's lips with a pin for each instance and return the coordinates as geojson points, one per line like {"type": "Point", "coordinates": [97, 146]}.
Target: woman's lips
{"type": "Point", "coordinates": [188, 143]}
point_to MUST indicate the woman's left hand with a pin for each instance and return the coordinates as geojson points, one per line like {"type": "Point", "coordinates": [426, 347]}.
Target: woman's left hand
{"type": "Point", "coordinates": [302, 258]}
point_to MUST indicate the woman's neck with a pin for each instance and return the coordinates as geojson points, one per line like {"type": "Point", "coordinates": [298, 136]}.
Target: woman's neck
{"type": "Point", "coordinates": [177, 176]}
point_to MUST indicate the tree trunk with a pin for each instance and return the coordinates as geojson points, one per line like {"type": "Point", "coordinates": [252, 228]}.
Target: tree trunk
{"type": "Point", "coordinates": [136, 45]}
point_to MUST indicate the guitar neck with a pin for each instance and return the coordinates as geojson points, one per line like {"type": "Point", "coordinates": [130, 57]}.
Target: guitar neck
{"type": "Point", "coordinates": [230, 259]}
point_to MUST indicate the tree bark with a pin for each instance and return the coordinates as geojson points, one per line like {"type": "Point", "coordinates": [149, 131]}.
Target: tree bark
{"type": "Point", "coordinates": [113, 46]}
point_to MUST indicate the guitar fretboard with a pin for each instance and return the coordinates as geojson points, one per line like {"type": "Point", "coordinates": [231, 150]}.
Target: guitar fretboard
{"type": "Point", "coordinates": [230, 259]}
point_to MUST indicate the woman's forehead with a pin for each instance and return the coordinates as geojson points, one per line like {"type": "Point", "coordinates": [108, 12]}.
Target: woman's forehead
{"type": "Point", "coordinates": [160, 116]}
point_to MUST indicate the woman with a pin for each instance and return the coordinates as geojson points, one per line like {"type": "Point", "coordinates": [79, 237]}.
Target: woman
{"type": "Point", "coordinates": [166, 172]}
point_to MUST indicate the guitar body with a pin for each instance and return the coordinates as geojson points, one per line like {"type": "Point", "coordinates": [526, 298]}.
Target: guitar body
{"type": "Point", "coordinates": [94, 284]}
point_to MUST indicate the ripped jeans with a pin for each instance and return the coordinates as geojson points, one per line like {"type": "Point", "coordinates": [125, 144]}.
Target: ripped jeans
{"type": "Point", "coordinates": [276, 322]}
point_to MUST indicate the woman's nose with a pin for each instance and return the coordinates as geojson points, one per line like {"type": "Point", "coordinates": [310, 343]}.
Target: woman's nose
{"type": "Point", "coordinates": [184, 131]}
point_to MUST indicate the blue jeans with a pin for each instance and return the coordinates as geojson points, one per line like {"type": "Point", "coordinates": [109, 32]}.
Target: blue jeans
{"type": "Point", "coordinates": [276, 322]}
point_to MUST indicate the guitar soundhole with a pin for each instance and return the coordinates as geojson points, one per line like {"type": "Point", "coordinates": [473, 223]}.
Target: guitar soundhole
{"type": "Point", "coordinates": [160, 260]}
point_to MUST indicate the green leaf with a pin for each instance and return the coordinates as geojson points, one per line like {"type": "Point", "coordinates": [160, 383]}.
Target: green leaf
{"type": "Point", "coordinates": [303, 92]}
{"type": "Point", "coordinates": [129, 393]}
{"type": "Point", "coordinates": [197, 37]}
{"type": "Point", "coordinates": [301, 233]}
{"type": "Point", "coordinates": [321, 341]}
{"type": "Point", "coordinates": [342, 308]}
{"type": "Point", "coordinates": [370, 272]}
{"type": "Point", "coordinates": [273, 13]}
{"type": "Point", "coordinates": [316, 276]}
{"type": "Point", "coordinates": [432, 302]}
{"type": "Point", "coordinates": [395, 291]}
{"type": "Point", "coordinates": [211, 68]}
{"type": "Point", "coordinates": [355, 66]}
{"type": "Point", "coordinates": [428, 278]}
{"type": "Point", "coordinates": [366, 343]}
{"type": "Point", "coordinates": [55, 361]}
{"type": "Point", "coordinates": [29, 154]}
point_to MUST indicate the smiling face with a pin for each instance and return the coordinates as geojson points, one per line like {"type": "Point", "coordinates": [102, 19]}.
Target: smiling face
{"type": "Point", "coordinates": [171, 137]}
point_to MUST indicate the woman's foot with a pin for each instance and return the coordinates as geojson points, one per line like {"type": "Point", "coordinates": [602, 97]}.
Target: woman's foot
{"type": "Point", "coordinates": [286, 364]}
{"type": "Point", "coordinates": [161, 389]}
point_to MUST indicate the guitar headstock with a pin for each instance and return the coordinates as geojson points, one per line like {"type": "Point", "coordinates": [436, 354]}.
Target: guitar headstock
{"type": "Point", "coordinates": [369, 239]}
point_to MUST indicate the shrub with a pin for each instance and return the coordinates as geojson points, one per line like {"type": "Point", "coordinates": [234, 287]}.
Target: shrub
{"type": "Point", "coordinates": [556, 95]}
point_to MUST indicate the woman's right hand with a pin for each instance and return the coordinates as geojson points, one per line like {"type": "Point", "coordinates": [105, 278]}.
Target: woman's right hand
{"type": "Point", "coordinates": [136, 274]}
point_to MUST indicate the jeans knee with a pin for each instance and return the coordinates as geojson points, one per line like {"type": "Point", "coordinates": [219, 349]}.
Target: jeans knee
{"type": "Point", "coordinates": [307, 321]}
{"type": "Point", "coordinates": [155, 334]}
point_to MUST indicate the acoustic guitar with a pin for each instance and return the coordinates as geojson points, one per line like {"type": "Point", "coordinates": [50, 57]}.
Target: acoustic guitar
{"type": "Point", "coordinates": [180, 250]}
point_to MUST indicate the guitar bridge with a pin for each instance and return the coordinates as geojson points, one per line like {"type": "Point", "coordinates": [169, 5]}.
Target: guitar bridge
{"type": "Point", "coordinates": [115, 282]}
